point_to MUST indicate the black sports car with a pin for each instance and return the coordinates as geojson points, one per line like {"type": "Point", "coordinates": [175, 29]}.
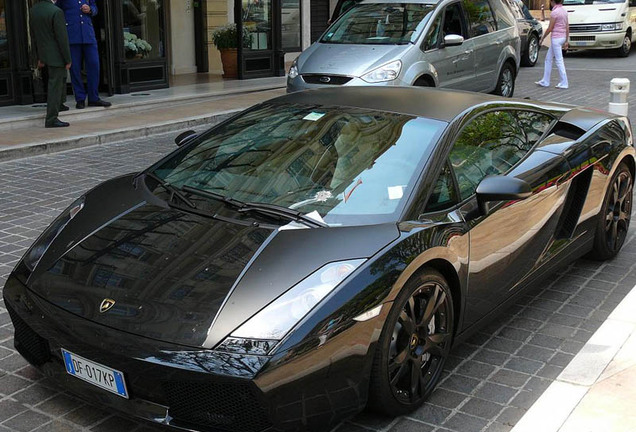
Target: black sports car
{"type": "Point", "coordinates": [315, 254]}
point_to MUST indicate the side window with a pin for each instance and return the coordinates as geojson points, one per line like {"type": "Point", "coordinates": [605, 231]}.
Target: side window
{"type": "Point", "coordinates": [433, 36]}
{"type": "Point", "coordinates": [444, 194]}
{"type": "Point", "coordinates": [507, 12]}
{"type": "Point", "coordinates": [453, 21]}
{"type": "Point", "coordinates": [492, 144]}
{"type": "Point", "coordinates": [480, 17]}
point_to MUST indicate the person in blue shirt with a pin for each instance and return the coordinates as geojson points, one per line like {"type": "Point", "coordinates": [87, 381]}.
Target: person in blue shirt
{"type": "Point", "coordinates": [81, 36]}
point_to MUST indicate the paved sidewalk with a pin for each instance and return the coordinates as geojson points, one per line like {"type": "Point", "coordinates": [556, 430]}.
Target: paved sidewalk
{"type": "Point", "coordinates": [133, 115]}
{"type": "Point", "coordinates": [597, 390]}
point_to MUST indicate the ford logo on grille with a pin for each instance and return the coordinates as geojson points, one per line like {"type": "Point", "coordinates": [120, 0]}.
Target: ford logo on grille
{"type": "Point", "coordinates": [325, 79]}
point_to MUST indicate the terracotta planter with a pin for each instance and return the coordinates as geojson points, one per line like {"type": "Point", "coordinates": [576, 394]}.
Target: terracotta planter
{"type": "Point", "coordinates": [229, 58]}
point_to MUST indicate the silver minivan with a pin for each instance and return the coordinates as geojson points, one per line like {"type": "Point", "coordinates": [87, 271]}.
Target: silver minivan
{"type": "Point", "coordinates": [461, 44]}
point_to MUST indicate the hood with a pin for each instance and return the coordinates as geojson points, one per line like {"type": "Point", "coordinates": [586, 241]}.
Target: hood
{"type": "Point", "coordinates": [169, 272]}
{"type": "Point", "coordinates": [595, 14]}
{"type": "Point", "coordinates": [346, 59]}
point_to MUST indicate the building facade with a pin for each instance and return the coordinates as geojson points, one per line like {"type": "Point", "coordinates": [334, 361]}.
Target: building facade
{"type": "Point", "coordinates": [142, 43]}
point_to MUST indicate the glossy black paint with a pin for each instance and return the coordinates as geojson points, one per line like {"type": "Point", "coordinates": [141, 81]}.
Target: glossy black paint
{"type": "Point", "coordinates": [183, 282]}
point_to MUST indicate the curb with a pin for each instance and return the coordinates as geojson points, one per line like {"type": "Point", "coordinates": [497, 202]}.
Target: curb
{"type": "Point", "coordinates": [40, 148]}
{"type": "Point", "coordinates": [551, 411]}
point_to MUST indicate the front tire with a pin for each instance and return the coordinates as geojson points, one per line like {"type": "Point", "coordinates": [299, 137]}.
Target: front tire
{"type": "Point", "coordinates": [626, 47]}
{"type": "Point", "coordinates": [615, 215]}
{"type": "Point", "coordinates": [413, 346]}
{"type": "Point", "coordinates": [506, 81]}
{"type": "Point", "coordinates": [532, 51]}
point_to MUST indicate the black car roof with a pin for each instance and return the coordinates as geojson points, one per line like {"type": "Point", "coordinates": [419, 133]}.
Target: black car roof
{"type": "Point", "coordinates": [444, 105]}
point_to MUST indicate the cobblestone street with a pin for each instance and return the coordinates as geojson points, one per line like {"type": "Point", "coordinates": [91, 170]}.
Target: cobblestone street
{"type": "Point", "coordinates": [490, 381]}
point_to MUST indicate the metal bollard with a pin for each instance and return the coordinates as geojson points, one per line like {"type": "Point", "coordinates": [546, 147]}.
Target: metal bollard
{"type": "Point", "coordinates": [619, 89]}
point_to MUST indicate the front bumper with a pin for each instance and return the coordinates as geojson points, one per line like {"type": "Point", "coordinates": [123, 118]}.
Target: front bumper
{"type": "Point", "coordinates": [183, 387]}
{"type": "Point", "coordinates": [596, 40]}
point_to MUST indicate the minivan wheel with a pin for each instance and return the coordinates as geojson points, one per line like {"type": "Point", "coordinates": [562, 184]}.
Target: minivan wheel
{"type": "Point", "coordinates": [413, 346]}
{"type": "Point", "coordinates": [506, 82]}
{"type": "Point", "coordinates": [626, 47]}
{"type": "Point", "coordinates": [532, 52]}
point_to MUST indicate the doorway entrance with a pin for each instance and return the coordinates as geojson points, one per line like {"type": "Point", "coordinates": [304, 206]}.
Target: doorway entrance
{"type": "Point", "coordinates": [260, 54]}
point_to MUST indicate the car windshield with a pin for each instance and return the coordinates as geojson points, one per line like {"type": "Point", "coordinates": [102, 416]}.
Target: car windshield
{"type": "Point", "coordinates": [380, 23]}
{"type": "Point", "coordinates": [351, 166]}
{"type": "Point", "coordinates": [589, 2]}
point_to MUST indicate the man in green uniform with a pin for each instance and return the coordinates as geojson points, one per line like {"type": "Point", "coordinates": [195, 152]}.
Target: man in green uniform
{"type": "Point", "coordinates": [52, 49]}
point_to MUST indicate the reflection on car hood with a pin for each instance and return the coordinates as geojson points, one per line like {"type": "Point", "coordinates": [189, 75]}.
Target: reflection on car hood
{"type": "Point", "coordinates": [169, 272]}
{"type": "Point", "coordinates": [345, 59]}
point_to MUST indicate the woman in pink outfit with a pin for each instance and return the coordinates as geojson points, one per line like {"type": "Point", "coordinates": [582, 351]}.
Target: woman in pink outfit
{"type": "Point", "coordinates": [560, 33]}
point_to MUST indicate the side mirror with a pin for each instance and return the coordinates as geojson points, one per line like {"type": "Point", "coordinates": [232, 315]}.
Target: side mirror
{"type": "Point", "coordinates": [500, 188]}
{"type": "Point", "coordinates": [184, 136]}
{"type": "Point", "coordinates": [453, 40]}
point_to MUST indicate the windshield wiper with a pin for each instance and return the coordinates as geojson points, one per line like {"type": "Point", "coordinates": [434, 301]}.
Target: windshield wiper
{"type": "Point", "coordinates": [276, 210]}
{"type": "Point", "coordinates": [174, 192]}
{"type": "Point", "coordinates": [215, 196]}
{"type": "Point", "coordinates": [269, 209]}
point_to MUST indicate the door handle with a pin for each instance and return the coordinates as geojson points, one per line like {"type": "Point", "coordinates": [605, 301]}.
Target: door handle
{"type": "Point", "coordinates": [498, 42]}
{"type": "Point", "coordinates": [468, 52]}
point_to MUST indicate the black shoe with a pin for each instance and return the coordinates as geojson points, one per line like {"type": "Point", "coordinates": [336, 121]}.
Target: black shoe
{"type": "Point", "coordinates": [64, 108]}
{"type": "Point", "coordinates": [57, 123]}
{"type": "Point", "coordinates": [80, 105]}
{"type": "Point", "coordinates": [99, 103]}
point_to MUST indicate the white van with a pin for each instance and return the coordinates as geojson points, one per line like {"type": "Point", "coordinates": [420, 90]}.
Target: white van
{"type": "Point", "coordinates": [602, 24]}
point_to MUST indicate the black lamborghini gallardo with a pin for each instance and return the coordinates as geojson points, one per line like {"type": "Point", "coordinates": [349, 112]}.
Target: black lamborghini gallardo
{"type": "Point", "coordinates": [316, 254]}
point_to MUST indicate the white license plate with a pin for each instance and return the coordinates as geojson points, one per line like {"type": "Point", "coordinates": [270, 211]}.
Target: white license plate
{"type": "Point", "coordinates": [95, 373]}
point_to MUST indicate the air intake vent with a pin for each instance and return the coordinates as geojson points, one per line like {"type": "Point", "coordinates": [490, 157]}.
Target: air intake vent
{"type": "Point", "coordinates": [227, 406]}
{"type": "Point", "coordinates": [574, 204]}
{"type": "Point", "coordinates": [326, 79]}
{"type": "Point", "coordinates": [33, 347]}
{"type": "Point", "coordinates": [568, 130]}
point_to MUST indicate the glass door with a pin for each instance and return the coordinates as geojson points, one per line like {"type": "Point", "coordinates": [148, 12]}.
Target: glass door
{"type": "Point", "coordinates": [5, 60]}
{"type": "Point", "coordinates": [6, 78]}
{"type": "Point", "coordinates": [260, 54]}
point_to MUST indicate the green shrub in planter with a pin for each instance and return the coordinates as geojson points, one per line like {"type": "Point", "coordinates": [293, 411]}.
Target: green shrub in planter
{"type": "Point", "coordinates": [225, 37]}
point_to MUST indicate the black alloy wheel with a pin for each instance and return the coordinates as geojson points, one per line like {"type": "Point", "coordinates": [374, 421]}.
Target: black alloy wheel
{"type": "Point", "coordinates": [413, 346]}
{"type": "Point", "coordinates": [614, 218]}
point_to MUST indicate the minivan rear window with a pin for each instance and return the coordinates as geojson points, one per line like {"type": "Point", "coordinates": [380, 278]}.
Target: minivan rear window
{"type": "Point", "coordinates": [380, 23]}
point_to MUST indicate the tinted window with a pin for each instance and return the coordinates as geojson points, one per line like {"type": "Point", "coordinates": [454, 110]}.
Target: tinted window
{"type": "Point", "coordinates": [493, 144]}
{"type": "Point", "coordinates": [433, 37]}
{"type": "Point", "coordinates": [343, 163]}
{"type": "Point", "coordinates": [453, 21]}
{"type": "Point", "coordinates": [480, 17]}
{"type": "Point", "coordinates": [444, 194]}
{"type": "Point", "coordinates": [380, 23]}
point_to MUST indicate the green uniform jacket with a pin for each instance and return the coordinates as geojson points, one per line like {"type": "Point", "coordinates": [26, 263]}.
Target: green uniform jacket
{"type": "Point", "coordinates": [48, 28]}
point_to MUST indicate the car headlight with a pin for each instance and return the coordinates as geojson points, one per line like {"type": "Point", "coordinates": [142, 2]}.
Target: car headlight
{"type": "Point", "coordinates": [611, 27]}
{"type": "Point", "coordinates": [388, 72]}
{"type": "Point", "coordinates": [293, 70]}
{"type": "Point", "coordinates": [39, 248]}
{"type": "Point", "coordinates": [278, 318]}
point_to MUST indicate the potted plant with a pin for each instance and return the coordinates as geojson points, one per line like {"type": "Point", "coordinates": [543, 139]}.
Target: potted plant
{"type": "Point", "coordinates": [225, 38]}
{"type": "Point", "coordinates": [135, 47]}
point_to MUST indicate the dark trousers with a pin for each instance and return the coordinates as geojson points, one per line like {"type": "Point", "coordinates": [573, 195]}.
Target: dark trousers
{"type": "Point", "coordinates": [56, 93]}
{"type": "Point", "coordinates": [87, 54]}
